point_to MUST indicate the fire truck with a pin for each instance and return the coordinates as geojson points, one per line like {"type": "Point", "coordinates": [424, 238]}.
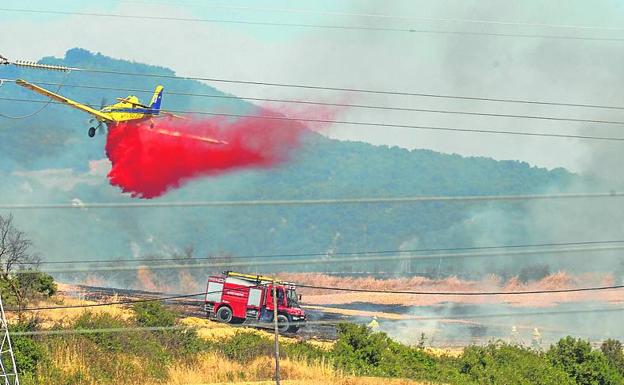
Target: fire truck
{"type": "Point", "coordinates": [245, 298]}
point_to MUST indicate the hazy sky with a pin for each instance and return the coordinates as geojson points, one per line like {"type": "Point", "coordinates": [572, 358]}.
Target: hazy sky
{"type": "Point", "coordinates": [577, 71]}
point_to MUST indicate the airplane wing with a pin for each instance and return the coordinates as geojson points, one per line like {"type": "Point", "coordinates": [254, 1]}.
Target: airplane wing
{"type": "Point", "coordinates": [188, 136]}
{"type": "Point", "coordinates": [170, 115]}
{"type": "Point", "coordinates": [62, 99]}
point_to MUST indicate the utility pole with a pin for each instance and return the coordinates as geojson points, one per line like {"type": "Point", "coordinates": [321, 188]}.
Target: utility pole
{"type": "Point", "coordinates": [276, 329]}
{"type": "Point", "coordinates": [8, 369]}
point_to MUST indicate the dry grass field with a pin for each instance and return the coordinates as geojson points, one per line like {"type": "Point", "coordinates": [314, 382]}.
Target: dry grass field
{"type": "Point", "coordinates": [210, 368]}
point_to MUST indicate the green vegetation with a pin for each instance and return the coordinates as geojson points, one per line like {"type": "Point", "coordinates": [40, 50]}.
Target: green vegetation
{"type": "Point", "coordinates": [583, 364]}
{"type": "Point", "coordinates": [20, 281]}
{"type": "Point", "coordinates": [152, 342]}
{"type": "Point", "coordinates": [500, 363]}
{"type": "Point", "coordinates": [612, 349]}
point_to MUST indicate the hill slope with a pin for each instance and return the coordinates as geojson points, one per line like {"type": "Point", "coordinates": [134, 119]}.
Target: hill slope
{"type": "Point", "coordinates": [49, 158]}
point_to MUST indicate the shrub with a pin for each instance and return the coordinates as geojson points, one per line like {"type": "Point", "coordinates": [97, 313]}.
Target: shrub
{"type": "Point", "coordinates": [364, 352]}
{"type": "Point", "coordinates": [501, 363]}
{"type": "Point", "coordinates": [104, 332]}
{"type": "Point", "coordinates": [304, 351]}
{"type": "Point", "coordinates": [178, 342]}
{"type": "Point", "coordinates": [153, 314]}
{"type": "Point", "coordinates": [28, 352]}
{"type": "Point", "coordinates": [612, 349]}
{"type": "Point", "coordinates": [99, 324]}
{"type": "Point", "coordinates": [245, 346]}
{"type": "Point", "coordinates": [584, 365]}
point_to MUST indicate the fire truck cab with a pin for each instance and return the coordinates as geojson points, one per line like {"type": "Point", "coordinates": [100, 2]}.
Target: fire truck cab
{"type": "Point", "coordinates": [237, 298]}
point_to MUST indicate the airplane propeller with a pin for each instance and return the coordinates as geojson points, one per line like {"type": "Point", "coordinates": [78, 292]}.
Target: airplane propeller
{"type": "Point", "coordinates": [100, 126]}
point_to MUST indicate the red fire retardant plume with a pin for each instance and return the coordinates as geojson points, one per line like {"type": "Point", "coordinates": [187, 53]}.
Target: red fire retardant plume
{"type": "Point", "coordinates": [147, 163]}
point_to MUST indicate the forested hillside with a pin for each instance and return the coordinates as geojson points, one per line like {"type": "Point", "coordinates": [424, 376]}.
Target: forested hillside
{"type": "Point", "coordinates": [49, 158]}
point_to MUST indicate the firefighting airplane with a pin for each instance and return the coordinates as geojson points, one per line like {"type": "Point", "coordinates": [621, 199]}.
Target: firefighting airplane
{"type": "Point", "coordinates": [128, 109]}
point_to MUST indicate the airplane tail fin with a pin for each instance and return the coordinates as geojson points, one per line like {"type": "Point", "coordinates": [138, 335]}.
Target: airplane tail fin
{"type": "Point", "coordinates": [156, 99]}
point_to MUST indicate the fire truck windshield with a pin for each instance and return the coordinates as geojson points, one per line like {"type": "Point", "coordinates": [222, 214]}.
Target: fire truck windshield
{"type": "Point", "coordinates": [291, 297]}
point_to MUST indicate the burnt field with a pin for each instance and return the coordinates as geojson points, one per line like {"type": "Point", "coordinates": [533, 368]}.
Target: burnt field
{"type": "Point", "coordinates": [445, 324]}
{"type": "Point", "coordinates": [320, 325]}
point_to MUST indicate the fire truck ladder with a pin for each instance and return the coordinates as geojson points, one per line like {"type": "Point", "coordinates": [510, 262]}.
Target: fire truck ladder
{"type": "Point", "coordinates": [8, 369]}
{"type": "Point", "coordinates": [255, 278]}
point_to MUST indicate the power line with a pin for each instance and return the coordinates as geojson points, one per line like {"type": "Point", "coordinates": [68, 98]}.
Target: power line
{"type": "Point", "coordinates": [308, 202]}
{"type": "Point", "coordinates": [404, 109]}
{"type": "Point", "coordinates": [126, 302]}
{"type": "Point", "coordinates": [444, 293]}
{"type": "Point", "coordinates": [428, 95]}
{"type": "Point", "coordinates": [325, 254]}
{"type": "Point", "coordinates": [465, 293]}
{"type": "Point", "coordinates": [46, 103]}
{"type": "Point", "coordinates": [391, 125]}
{"type": "Point", "coordinates": [309, 25]}
{"type": "Point", "coordinates": [385, 16]}
{"type": "Point", "coordinates": [330, 88]}
{"type": "Point", "coordinates": [521, 314]}
{"type": "Point", "coordinates": [328, 260]}
{"type": "Point", "coordinates": [416, 127]}
{"type": "Point", "coordinates": [100, 330]}
{"type": "Point", "coordinates": [309, 322]}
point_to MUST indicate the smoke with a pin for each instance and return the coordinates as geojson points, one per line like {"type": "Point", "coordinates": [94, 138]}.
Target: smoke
{"type": "Point", "coordinates": [149, 281]}
{"type": "Point", "coordinates": [147, 162]}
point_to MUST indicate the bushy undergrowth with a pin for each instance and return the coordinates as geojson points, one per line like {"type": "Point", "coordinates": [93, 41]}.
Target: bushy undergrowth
{"type": "Point", "coordinates": [499, 363]}
{"type": "Point", "coordinates": [110, 349]}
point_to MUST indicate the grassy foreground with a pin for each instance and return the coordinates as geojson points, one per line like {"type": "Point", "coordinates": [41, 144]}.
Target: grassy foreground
{"type": "Point", "coordinates": [150, 345]}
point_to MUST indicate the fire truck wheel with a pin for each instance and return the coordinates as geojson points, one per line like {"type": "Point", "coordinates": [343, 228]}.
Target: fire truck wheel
{"type": "Point", "coordinates": [283, 323]}
{"type": "Point", "coordinates": [224, 314]}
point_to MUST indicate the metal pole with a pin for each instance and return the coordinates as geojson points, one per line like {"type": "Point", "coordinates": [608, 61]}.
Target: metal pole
{"type": "Point", "coordinates": [6, 352]}
{"type": "Point", "coordinates": [275, 326]}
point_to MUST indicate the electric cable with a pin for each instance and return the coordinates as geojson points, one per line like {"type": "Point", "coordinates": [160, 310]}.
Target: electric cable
{"type": "Point", "coordinates": [429, 95]}
{"type": "Point", "coordinates": [328, 254]}
{"type": "Point", "coordinates": [313, 87]}
{"type": "Point", "coordinates": [342, 289]}
{"type": "Point", "coordinates": [46, 103]}
{"type": "Point", "coordinates": [403, 109]}
{"type": "Point", "coordinates": [99, 330]}
{"type": "Point", "coordinates": [309, 25]}
{"type": "Point", "coordinates": [307, 202]}
{"type": "Point", "coordinates": [381, 16]}
{"type": "Point", "coordinates": [463, 293]}
{"type": "Point", "coordinates": [125, 302]}
{"type": "Point", "coordinates": [317, 261]}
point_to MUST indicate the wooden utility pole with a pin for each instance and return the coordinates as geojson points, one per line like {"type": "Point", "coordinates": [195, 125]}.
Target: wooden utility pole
{"type": "Point", "coordinates": [275, 326]}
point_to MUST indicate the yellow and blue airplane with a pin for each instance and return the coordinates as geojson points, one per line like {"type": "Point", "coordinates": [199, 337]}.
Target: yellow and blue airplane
{"type": "Point", "coordinates": [126, 110]}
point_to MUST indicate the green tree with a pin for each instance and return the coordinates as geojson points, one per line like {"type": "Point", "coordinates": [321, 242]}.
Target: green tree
{"type": "Point", "coordinates": [584, 365]}
{"type": "Point", "coordinates": [501, 363]}
{"type": "Point", "coordinates": [612, 349]}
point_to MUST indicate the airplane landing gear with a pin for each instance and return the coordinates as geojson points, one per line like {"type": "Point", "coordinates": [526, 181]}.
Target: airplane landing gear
{"type": "Point", "coordinates": [91, 132]}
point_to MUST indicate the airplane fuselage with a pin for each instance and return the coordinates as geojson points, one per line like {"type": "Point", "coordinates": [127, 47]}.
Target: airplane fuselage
{"type": "Point", "coordinates": [128, 110]}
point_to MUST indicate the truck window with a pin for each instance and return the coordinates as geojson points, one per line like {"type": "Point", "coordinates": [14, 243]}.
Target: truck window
{"type": "Point", "coordinates": [292, 299]}
{"type": "Point", "coordinates": [280, 296]}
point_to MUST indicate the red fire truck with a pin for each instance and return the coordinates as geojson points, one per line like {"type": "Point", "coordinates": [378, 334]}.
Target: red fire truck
{"type": "Point", "coordinates": [237, 298]}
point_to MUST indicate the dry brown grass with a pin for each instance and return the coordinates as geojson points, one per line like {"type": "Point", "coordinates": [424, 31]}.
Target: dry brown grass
{"type": "Point", "coordinates": [212, 369]}
{"type": "Point", "coordinates": [53, 317]}
{"type": "Point", "coordinates": [211, 330]}
{"type": "Point", "coordinates": [207, 368]}
{"type": "Point", "coordinates": [557, 280]}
